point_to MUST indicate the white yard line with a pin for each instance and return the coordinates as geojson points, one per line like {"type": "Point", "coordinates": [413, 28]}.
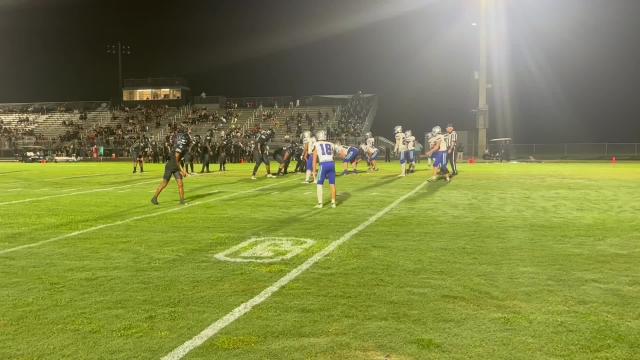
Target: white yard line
{"type": "Point", "coordinates": [78, 176]}
{"type": "Point", "coordinates": [75, 193]}
{"type": "Point", "coordinates": [94, 228]}
{"type": "Point", "coordinates": [235, 314]}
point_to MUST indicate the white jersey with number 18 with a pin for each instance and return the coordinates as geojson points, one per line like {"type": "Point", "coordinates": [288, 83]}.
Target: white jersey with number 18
{"type": "Point", "coordinates": [325, 151]}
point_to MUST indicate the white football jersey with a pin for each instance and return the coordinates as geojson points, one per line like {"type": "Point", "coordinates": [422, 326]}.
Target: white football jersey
{"type": "Point", "coordinates": [342, 150]}
{"type": "Point", "coordinates": [325, 151]}
{"type": "Point", "coordinates": [311, 144]}
{"type": "Point", "coordinates": [411, 142]}
{"type": "Point", "coordinates": [400, 145]}
{"type": "Point", "coordinates": [443, 143]}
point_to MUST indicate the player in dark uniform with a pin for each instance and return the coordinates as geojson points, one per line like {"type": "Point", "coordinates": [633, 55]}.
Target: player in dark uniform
{"type": "Point", "coordinates": [137, 154]}
{"type": "Point", "coordinates": [205, 150]}
{"type": "Point", "coordinates": [155, 152]}
{"type": "Point", "coordinates": [261, 152]}
{"type": "Point", "coordinates": [173, 167]}
{"type": "Point", "coordinates": [191, 154]}
{"type": "Point", "coordinates": [300, 161]}
{"type": "Point", "coordinates": [224, 150]}
{"type": "Point", "coordinates": [283, 155]}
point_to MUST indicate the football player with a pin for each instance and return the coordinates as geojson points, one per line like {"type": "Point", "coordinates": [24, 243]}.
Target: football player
{"type": "Point", "coordinates": [137, 154]}
{"type": "Point", "coordinates": [324, 167]}
{"type": "Point", "coordinates": [206, 148]}
{"type": "Point", "coordinates": [174, 167]}
{"type": "Point", "coordinates": [308, 143]}
{"type": "Point", "coordinates": [192, 154]}
{"type": "Point", "coordinates": [401, 149]}
{"type": "Point", "coordinates": [261, 152]}
{"type": "Point", "coordinates": [371, 151]}
{"type": "Point", "coordinates": [350, 156]}
{"type": "Point", "coordinates": [430, 142]}
{"type": "Point", "coordinates": [410, 155]}
{"type": "Point", "coordinates": [439, 148]}
{"type": "Point", "coordinates": [224, 149]}
{"type": "Point", "coordinates": [283, 155]}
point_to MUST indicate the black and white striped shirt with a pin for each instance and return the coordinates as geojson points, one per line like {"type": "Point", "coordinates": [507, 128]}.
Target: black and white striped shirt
{"type": "Point", "coordinates": [451, 140]}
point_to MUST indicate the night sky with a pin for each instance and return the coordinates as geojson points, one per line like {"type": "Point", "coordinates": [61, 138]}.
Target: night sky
{"type": "Point", "coordinates": [562, 70]}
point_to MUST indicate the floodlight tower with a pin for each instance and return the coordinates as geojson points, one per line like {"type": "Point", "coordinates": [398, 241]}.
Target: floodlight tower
{"type": "Point", "coordinates": [119, 49]}
{"type": "Point", "coordinates": [482, 115]}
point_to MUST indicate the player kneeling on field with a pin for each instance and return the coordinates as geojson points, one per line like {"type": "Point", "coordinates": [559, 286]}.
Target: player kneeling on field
{"type": "Point", "coordinates": [324, 167]}
{"type": "Point", "coordinates": [173, 167]}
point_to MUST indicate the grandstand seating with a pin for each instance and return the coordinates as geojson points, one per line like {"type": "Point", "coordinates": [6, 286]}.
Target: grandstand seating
{"type": "Point", "coordinates": [49, 121]}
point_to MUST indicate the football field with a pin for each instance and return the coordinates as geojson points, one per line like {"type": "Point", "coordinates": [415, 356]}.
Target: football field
{"type": "Point", "coordinates": [508, 261]}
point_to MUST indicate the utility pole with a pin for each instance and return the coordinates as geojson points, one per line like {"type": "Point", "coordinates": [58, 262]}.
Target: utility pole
{"type": "Point", "coordinates": [482, 115]}
{"type": "Point", "coordinates": [119, 49]}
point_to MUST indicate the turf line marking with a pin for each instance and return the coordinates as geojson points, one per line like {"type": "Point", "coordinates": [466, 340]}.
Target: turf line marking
{"type": "Point", "coordinates": [235, 314]}
{"type": "Point", "coordinates": [75, 193]}
{"type": "Point", "coordinates": [76, 177]}
{"type": "Point", "coordinates": [94, 228]}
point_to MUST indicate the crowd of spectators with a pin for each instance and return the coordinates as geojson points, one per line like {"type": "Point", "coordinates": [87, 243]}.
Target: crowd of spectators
{"type": "Point", "coordinates": [202, 115]}
{"type": "Point", "coordinates": [22, 130]}
{"type": "Point", "coordinates": [353, 116]}
{"type": "Point", "coordinates": [126, 126]}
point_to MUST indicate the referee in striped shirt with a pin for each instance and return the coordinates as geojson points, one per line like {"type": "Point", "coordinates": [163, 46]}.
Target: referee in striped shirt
{"type": "Point", "coordinates": [452, 143]}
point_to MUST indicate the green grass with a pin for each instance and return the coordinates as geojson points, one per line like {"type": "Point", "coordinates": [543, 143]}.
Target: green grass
{"type": "Point", "coordinates": [509, 261]}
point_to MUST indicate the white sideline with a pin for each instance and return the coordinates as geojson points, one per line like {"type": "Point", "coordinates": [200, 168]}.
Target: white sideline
{"type": "Point", "coordinates": [235, 314]}
{"type": "Point", "coordinates": [79, 232]}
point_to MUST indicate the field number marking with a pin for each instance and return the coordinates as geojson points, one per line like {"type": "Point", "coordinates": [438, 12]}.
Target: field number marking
{"type": "Point", "coordinates": [265, 249]}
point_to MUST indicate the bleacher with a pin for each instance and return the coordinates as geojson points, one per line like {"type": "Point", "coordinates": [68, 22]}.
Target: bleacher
{"type": "Point", "coordinates": [49, 121]}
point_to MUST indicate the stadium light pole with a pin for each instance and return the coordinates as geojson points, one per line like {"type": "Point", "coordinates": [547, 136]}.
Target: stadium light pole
{"type": "Point", "coordinates": [482, 115]}
{"type": "Point", "coordinates": [119, 49]}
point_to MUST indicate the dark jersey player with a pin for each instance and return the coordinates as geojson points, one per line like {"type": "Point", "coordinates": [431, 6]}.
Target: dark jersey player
{"type": "Point", "coordinates": [173, 167]}
{"type": "Point", "coordinates": [224, 150]}
{"type": "Point", "coordinates": [283, 155]}
{"type": "Point", "coordinates": [137, 155]}
{"type": "Point", "coordinates": [261, 152]}
{"type": "Point", "coordinates": [205, 150]}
